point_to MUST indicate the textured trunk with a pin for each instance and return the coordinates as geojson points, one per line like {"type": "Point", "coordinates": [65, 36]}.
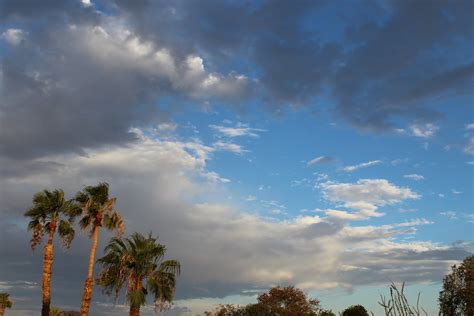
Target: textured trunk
{"type": "Point", "coordinates": [89, 284]}
{"type": "Point", "coordinates": [47, 267]}
{"type": "Point", "coordinates": [135, 309]}
{"type": "Point", "coordinates": [2, 310]}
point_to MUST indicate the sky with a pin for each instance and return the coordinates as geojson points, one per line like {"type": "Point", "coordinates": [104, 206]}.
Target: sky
{"type": "Point", "coordinates": [323, 144]}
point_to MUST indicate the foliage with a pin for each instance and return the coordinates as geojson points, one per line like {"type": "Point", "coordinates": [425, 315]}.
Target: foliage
{"type": "Point", "coordinates": [355, 310]}
{"type": "Point", "coordinates": [130, 261]}
{"type": "Point", "coordinates": [288, 301]}
{"type": "Point", "coordinates": [99, 209]}
{"type": "Point", "coordinates": [457, 296]}
{"type": "Point", "coordinates": [5, 301]}
{"type": "Point", "coordinates": [281, 301]}
{"type": "Point", "coordinates": [398, 305]}
{"type": "Point", "coordinates": [51, 212]}
{"type": "Point", "coordinates": [55, 311]}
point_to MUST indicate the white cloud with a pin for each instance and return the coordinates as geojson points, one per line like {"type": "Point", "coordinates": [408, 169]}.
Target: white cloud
{"type": "Point", "coordinates": [470, 126]}
{"type": "Point", "coordinates": [454, 191]}
{"type": "Point", "coordinates": [450, 215]}
{"type": "Point", "coordinates": [251, 198]}
{"type": "Point", "coordinates": [118, 48]}
{"type": "Point", "coordinates": [469, 148]}
{"type": "Point", "coordinates": [86, 3]}
{"type": "Point", "coordinates": [426, 130]}
{"type": "Point", "coordinates": [237, 131]}
{"type": "Point", "coordinates": [361, 165]}
{"type": "Point", "coordinates": [320, 160]}
{"type": "Point", "coordinates": [366, 195]}
{"type": "Point", "coordinates": [231, 147]}
{"type": "Point", "coordinates": [14, 36]}
{"type": "Point", "coordinates": [414, 176]}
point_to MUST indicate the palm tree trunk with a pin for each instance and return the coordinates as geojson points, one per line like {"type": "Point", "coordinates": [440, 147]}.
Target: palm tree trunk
{"type": "Point", "coordinates": [47, 268]}
{"type": "Point", "coordinates": [89, 284]}
{"type": "Point", "coordinates": [135, 310]}
{"type": "Point", "coordinates": [2, 310]}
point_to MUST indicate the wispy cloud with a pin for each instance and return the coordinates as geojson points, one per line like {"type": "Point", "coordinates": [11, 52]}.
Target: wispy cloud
{"type": "Point", "coordinates": [320, 160]}
{"type": "Point", "coordinates": [361, 165]}
{"type": "Point", "coordinates": [426, 130]}
{"type": "Point", "coordinates": [470, 126]}
{"type": "Point", "coordinates": [237, 131]}
{"type": "Point", "coordinates": [450, 215]}
{"type": "Point", "coordinates": [231, 147]}
{"type": "Point", "coordinates": [414, 176]}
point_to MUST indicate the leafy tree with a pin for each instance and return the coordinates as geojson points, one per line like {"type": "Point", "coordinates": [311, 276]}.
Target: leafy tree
{"type": "Point", "coordinates": [457, 296]}
{"type": "Point", "coordinates": [286, 301]}
{"type": "Point", "coordinates": [327, 312]}
{"type": "Point", "coordinates": [98, 211]}
{"type": "Point", "coordinates": [5, 303]}
{"type": "Point", "coordinates": [279, 301]}
{"type": "Point", "coordinates": [355, 310]}
{"type": "Point", "coordinates": [50, 213]}
{"type": "Point", "coordinates": [131, 261]}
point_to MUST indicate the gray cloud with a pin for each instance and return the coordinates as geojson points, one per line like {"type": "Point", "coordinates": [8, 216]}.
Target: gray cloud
{"type": "Point", "coordinates": [160, 194]}
{"type": "Point", "coordinates": [70, 72]}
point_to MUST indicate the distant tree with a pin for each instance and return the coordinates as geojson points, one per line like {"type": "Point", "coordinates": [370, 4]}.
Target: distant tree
{"type": "Point", "coordinates": [51, 213]}
{"type": "Point", "coordinates": [287, 301]}
{"type": "Point", "coordinates": [5, 303]}
{"type": "Point", "coordinates": [355, 310]}
{"type": "Point", "coordinates": [278, 301]}
{"type": "Point", "coordinates": [130, 262]}
{"type": "Point", "coordinates": [326, 312]}
{"type": "Point", "coordinates": [98, 210]}
{"type": "Point", "coordinates": [457, 295]}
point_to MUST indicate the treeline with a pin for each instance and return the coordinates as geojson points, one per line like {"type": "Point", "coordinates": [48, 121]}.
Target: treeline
{"type": "Point", "coordinates": [455, 299]}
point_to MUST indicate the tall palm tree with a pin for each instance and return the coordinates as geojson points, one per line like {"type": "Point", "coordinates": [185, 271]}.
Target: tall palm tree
{"type": "Point", "coordinates": [50, 213]}
{"type": "Point", "coordinates": [134, 260]}
{"type": "Point", "coordinates": [5, 303]}
{"type": "Point", "coordinates": [98, 211]}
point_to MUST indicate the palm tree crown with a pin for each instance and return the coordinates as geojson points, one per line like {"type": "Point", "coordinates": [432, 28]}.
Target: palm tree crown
{"type": "Point", "coordinates": [5, 301]}
{"type": "Point", "coordinates": [98, 209]}
{"type": "Point", "coordinates": [51, 212]}
{"type": "Point", "coordinates": [132, 260]}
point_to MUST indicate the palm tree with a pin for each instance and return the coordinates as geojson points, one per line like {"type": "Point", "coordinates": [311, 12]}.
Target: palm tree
{"type": "Point", "coordinates": [5, 303]}
{"type": "Point", "coordinates": [50, 213]}
{"type": "Point", "coordinates": [132, 261]}
{"type": "Point", "coordinates": [98, 211]}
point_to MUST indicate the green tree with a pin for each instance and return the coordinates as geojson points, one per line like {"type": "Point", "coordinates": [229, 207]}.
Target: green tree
{"type": "Point", "coordinates": [130, 262]}
{"type": "Point", "coordinates": [5, 303]}
{"type": "Point", "coordinates": [457, 295]}
{"type": "Point", "coordinates": [98, 210]}
{"type": "Point", "coordinates": [355, 310]}
{"type": "Point", "coordinates": [50, 213]}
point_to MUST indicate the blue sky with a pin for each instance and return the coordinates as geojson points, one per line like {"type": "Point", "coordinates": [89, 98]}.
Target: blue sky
{"type": "Point", "coordinates": [324, 144]}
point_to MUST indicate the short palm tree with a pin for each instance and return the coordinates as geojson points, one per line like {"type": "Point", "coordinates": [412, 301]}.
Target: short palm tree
{"type": "Point", "coordinates": [5, 303]}
{"type": "Point", "coordinates": [98, 211]}
{"type": "Point", "coordinates": [134, 260]}
{"type": "Point", "coordinates": [50, 213]}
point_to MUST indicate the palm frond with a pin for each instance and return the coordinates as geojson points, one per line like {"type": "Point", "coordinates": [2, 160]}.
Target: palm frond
{"type": "Point", "coordinates": [66, 232]}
